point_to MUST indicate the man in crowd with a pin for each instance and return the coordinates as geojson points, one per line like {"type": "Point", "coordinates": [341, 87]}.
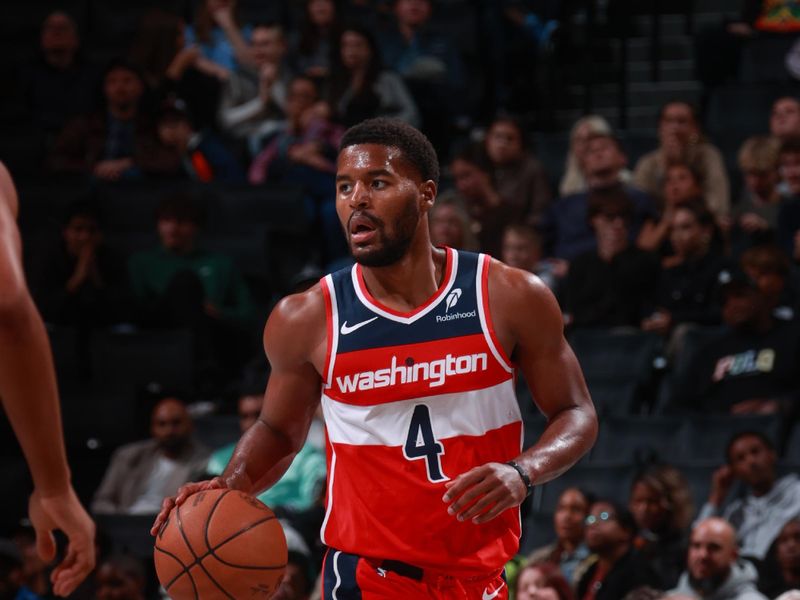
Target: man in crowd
{"type": "Point", "coordinates": [769, 503]}
{"type": "Point", "coordinates": [714, 571]}
{"type": "Point", "coordinates": [116, 144]}
{"type": "Point", "coordinates": [784, 120]}
{"type": "Point", "coordinates": [141, 473]}
{"type": "Point", "coordinates": [619, 569]}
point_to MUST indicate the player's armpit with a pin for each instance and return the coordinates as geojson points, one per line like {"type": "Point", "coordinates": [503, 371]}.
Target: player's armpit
{"type": "Point", "coordinates": [528, 322]}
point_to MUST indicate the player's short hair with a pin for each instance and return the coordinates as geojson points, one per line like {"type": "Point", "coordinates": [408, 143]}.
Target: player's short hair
{"type": "Point", "coordinates": [412, 143]}
{"type": "Point", "coordinates": [748, 433]}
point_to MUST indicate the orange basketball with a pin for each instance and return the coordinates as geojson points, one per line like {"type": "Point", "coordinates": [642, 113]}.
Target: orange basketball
{"type": "Point", "coordinates": [220, 544]}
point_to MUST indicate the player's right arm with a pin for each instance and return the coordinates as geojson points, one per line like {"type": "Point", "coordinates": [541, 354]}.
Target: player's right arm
{"type": "Point", "coordinates": [295, 343]}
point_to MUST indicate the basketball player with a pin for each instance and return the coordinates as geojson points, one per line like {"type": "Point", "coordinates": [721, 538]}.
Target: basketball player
{"type": "Point", "coordinates": [30, 398]}
{"type": "Point", "coordinates": [412, 353]}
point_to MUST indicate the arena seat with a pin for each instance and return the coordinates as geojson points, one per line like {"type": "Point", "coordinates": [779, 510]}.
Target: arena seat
{"type": "Point", "coordinates": [705, 437]}
{"type": "Point", "coordinates": [606, 480]}
{"type": "Point", "coordinates": [277, 207]}
{"type": "Point", "coordinates": [698, 475]}
{"type": "Point", "coordinates": [537, 531]}
{"type": "Point", "coordinates": [618, 367]}
{"type": "Point", "coordinates": [127, 534]}
{"type": "Point", "coordinates": [126, 362]}
{"type": "Point", "coordinates": [791, 453]}
{"type": "Point", "coordinates": [69, 356]}
{"type": "Point", "coordinates": [636, 439]}
{"type": "Point", "coordinates": [216, 431]}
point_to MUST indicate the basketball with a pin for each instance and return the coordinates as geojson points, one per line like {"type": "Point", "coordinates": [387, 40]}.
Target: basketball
{"type": "Point", "coordinates": [220, 544]}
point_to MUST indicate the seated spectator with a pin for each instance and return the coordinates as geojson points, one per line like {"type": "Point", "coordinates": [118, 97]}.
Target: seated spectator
{"type": "Point", "coordinates": [217, 31]}
{"type": "Point", "coordinates": [172, 68]}
{"type": "Point", "coordinates": [11, 573]}
{"type": "Point", "coordinates": [297, 582]}
{"type": "Point", "coordinates": [788, 234]}
{"type": "Point", "coordinates": [450, 224]}
{"type": "Point", "coordinates": [302, 483]}
{"type": "Point", "coordinates": [141, 474]}
{"type": "Point", "coordinates": [60, 84]}
{"type": "Point", "coordinates": [522, 249]}
{"type": "Point", "coordinates": [751, 367]}
{"type": "Point", "coordinates": [574, 179]}
{"type": "Point", "coordinates": [477, 188]}
{"type": "Point", "coordinates": [569, 549]}
{"type": "Point", "coordinates": [755, 217]}
{"type": "Point", "coordinates": [120, 578]}
{"type": "Point", "coordinates": [201, 156]}
{"type": "Point", "coordinates": [787, 562]}
{"type": "Point", "coordinates": [254, 100]}
{"type": "Point", "coordinates": [35, 571]}
{"type": "Point", "coordinates": [613, 285]}
{"type": "Point", "coordinates": [688, 285]}
{"type": "Point", "coordinates": [542, 582]}
{"type": "Point", "coordinates": [713, 569]}
{"type": "Point", "coordinates": [769, 268]}
{"type": "Point", "coordinates": [116, 144]}
{"type": "Point", "coordinates": [518, 175]}
{"type": "Point", "coordinates": [768, 502]}
{"type": "Point", "coordinates": [360, 88]}
{"type": "Point", "coordinates": [681, 185]}
{"type": "Point", "coordinates": [80, 281]}
{"type": "Point", "coordinates": [430, 65]}
{"type": "Point", "coordinates": [314, 43]}
{"type": "Point", "coordinates": [566, 228]}
{"type": "Point", "coordinates": [661, 504]}
{"type": "Point", "coordinates": [784, 119]}
{"type": "Point", "coordinates": [680, 140]}
{"type": "Point", "coordinates": [619, 569]}
{"type": "Point", "coordinates": [304, 154]}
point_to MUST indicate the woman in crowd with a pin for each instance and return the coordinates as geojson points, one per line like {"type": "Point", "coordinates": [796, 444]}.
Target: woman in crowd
{"type": "Point", "coordinates": [361, 88]}
{"type": "Point", "coordinates": [450, 224]}
{"type": "Point", "coordinates": [681, 184]}
{"type": "Point", "coordinates": [217, 32]}
{"type": "Point", "coordinates": [542, 581]}
{"type": "Point", "coordinates": [680, 140]}
{"type": "Point", "coordinates": [568, 550]}
{"type": "Point", "coordinates": [573, 180]}
{"type": "Point", "coordinates": [521, 180]}
{"type": "Point", "coordinates": [661, 504]}
{"type": "Point", "coordinates": [313, 45]}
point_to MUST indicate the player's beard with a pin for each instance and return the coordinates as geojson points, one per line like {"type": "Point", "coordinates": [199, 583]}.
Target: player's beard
{"type": "Point", "coordinates": [389, 249]}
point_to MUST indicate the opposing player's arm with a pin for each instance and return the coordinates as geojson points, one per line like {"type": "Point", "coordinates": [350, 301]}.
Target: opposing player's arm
{"type": "Point", "coordinates": [295, 332]}
{"type": "Point", "coordinates": [528, 324]}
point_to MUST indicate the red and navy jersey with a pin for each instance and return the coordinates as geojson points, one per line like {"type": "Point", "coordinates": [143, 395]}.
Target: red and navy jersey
{"type": "Point", "coordinates": [412, 400]}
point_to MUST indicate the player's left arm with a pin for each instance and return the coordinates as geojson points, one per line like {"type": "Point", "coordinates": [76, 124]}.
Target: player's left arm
{"type": "Point", "coordinates": [528, 324]}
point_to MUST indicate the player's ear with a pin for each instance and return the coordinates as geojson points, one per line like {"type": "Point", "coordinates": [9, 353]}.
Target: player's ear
{"type": "Point", "coordinates": [427, 190]}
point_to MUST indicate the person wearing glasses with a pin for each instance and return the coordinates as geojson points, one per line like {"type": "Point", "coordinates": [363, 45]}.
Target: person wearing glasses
{"type": "Point", "coordinates": [619, 568]}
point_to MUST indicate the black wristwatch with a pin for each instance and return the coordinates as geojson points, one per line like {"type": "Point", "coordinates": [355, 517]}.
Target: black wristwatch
{"type": "Point", "coordinates": [525, 477]}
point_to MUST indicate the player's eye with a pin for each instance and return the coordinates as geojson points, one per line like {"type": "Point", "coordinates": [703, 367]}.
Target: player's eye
{"type": "Point", "coordinates": [344, 188]}
{"type": "Point", "coordinates": [379, 184]}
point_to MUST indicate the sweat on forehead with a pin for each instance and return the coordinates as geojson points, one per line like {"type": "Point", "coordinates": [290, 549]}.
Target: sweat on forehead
{"type": "Point", "coordinates": [413, 147]}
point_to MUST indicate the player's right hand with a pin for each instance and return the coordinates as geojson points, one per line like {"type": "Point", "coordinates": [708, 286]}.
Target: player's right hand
{"type": "Point", "coordinates": [64, 511]}
{"type": "Point", "coordinates": [183, 493]}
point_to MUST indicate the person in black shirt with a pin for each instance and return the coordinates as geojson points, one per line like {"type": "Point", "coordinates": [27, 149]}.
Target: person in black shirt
{"type": "Point", "coordinates": [610, 286]}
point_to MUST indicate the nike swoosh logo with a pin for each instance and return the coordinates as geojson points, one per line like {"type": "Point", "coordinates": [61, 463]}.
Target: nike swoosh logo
{"type": "Point", "coordinates": [350, 329]}
{"type": "Point", "coordinates": [488, 596]}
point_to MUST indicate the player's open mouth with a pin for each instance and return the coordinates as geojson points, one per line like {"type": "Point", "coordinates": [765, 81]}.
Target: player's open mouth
{"type": "Point", "coordinates": [362, 229]}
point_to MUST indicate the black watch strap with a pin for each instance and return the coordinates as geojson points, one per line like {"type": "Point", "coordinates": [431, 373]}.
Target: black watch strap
{"type": "Point", "coordinates": [525, 477]}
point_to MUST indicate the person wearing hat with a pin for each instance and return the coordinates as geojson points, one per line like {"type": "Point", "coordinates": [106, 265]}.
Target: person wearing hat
{"type": "Point", "coordinates": [750, 368]}
{"type": "Point", "coordinates": [199, 154]}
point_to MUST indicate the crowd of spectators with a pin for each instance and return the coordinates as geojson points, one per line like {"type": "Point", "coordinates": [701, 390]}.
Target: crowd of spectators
{"type": "Point", "coordinates": [666, 244]}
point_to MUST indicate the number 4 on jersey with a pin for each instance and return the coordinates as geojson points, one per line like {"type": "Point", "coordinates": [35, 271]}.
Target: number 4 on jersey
{"type": "Point", "coordinates": [420, 443]}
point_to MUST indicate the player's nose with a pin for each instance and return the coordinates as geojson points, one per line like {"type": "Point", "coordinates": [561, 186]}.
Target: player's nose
{"type": "Point", "coordinates": [360, 196]}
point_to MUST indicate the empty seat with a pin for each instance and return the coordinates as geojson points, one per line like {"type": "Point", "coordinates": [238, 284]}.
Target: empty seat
{"type": "Point", "coordinates": [247, 248]}
{"type": "Point", "coordinates": [276, 207]}
{"type": "Point", "coordinates": [705, 437]}
{"type": "Point", "coordinates": [636, 439]}
{"type": "Point", "coordinates": [618, 367]}
{"type": "Point", "coordinates": [698, 476]}
{"type": "Point", "coordinates": [604, 480]}
{"type": "Point", "coordinates": [133, 361]}
{"type": "Point", "coordinates": [131, 206]}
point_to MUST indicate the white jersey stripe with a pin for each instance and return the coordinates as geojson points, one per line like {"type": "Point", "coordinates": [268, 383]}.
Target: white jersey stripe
{"type": "Point", "coordinates": [329, 500]}
{"type": "Point", "coordinates": [465, 413]}
{"type": "Point", "coordinates": [483, 264]}
{"type": "Point", "coordinates": [334, 316]}
{"type": "Point", "coordinates": [408, 320]}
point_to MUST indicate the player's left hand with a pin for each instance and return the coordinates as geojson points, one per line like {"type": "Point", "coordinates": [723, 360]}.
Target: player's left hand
{"type": "Point", "coordinates": [484, 492]}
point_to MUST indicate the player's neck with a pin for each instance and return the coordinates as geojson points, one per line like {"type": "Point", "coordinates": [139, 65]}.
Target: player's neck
{"type": "Point", "coordinates": [411, 281]}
